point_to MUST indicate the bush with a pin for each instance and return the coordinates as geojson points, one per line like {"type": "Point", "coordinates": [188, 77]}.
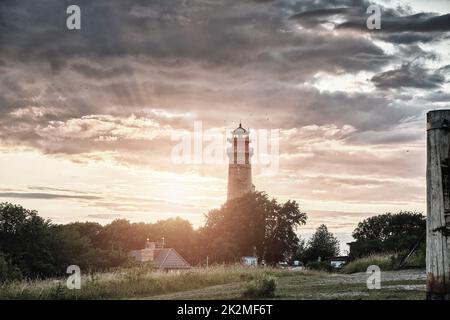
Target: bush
{"type": "Point", "coordinates": [262, 287]}
{"type": "Point", "coordinates": [387, 261]}
{"type": "Point", "coordinates": [416, 260]}
{"type": "Point", "coordinates": [320, 266]}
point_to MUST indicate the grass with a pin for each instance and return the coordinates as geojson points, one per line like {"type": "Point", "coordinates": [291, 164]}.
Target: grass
{"type": "Point", "coordinates": [416, 260]}
{"type": "Point", "coordinates": [384, 261]}
{"type": "Point", "coordinates": [327, 288]}
{"type": "Point", "coordinates": [223, 282]}
{"type": "Point", "coordinates": [398, 285]}
{"type": "Point", "coordinates": [135, 282]}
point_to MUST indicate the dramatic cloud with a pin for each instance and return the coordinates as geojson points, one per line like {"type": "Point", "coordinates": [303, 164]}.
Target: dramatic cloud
{"type": "Point", "coordinates": [420, 22]}
{"type": "Point", "coordinates": [94, 110]}
{"type": "Point", "coordinates": [409, 75]}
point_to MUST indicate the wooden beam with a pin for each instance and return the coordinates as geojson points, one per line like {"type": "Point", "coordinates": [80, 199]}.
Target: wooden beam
{"type": "Point", "coordinates": [438, 205]}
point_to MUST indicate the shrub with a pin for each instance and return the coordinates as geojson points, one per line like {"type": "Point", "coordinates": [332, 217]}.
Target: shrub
{"type": "Point", "coordinates": [416, 260]}
{"type": "Point", "coordinates": [320, 266]}
{"type": "Point", "coordinates": [262, 287]}
{"type": "Point", "coordinates": [387, 261]}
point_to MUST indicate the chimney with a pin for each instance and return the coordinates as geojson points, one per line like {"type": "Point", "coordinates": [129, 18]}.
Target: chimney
{"type": "Point", "coordinates": [148, 254]}
{"type": "Point", "coordinates": [150, 245]}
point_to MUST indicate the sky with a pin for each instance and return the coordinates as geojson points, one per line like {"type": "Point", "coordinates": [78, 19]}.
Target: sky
{"type": "Point", "coordinates": [88, 116]}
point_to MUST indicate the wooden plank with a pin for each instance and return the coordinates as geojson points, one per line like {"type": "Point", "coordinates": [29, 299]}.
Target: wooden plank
{"type": "Point", "coordinates": [438, 204]}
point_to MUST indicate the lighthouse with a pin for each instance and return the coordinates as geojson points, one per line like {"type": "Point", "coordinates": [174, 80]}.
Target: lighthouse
{"type": "Point", "coordinates": [239, 168]}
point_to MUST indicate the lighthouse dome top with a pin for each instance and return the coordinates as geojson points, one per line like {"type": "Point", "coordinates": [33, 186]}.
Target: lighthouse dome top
{"type": "Point", "coordinates": [239, 130]}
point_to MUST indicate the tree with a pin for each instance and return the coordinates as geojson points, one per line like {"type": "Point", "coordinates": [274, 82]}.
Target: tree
{"type": "Point", "coordinates": [323, 244]}
{"type": "Point", "coordinates": [252, 224]}
{"type": "Point", "coordinates": [300, 251]}
{"type": "Point", "coordinates": [281, 240]}
{"type": "Point", "coordinates": [387, 233]}
{"type": "Point", "coordinates": [178, 234]}
{"type": "Point", "coordinates": [25, 238]}
{"type": "Point", "coordinates": [33, 247]}
{"type": "Point", "coordinates": [8, 271]}
{"type": "Point", "coordinates": [70, 247]}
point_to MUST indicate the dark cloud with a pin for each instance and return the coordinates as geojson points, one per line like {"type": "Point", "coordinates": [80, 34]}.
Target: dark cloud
{"type": "Point", "coordinates": [409, 75]}
{"type": "Point", "coordinates": [196, 59]}
{"type": "Point", "coordinates": [313, 18]}
{"type": "Point", "coordinates": [390, 22]}
{"type": "Point", "coordinates": [130, 54]}
{"type": "Point", "coordinates": [439, 96]}
{"type": "Point", "coordinates": [98, 73]}
{"type": "Point", "coordinates": [322, 13]}
{"type": "Point", "coordinates": [407, 37]}
{"type": "Point", "coordinates": [397, 26]}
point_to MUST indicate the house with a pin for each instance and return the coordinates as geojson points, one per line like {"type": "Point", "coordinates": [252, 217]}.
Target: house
{"type": "Point", "coordinates": [338, 262]}
{"type": "Point", "coordinates": [161, 258]}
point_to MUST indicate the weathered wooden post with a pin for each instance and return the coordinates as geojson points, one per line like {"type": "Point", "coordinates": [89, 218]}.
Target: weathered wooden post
{"type": "Point", "coordinates": [438, 205]}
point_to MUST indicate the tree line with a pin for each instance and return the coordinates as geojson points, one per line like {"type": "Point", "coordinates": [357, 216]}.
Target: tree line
{"type": "Point", "coordinates": [389, 233]}
{"type": "Point", "coordinates": [32, 247]}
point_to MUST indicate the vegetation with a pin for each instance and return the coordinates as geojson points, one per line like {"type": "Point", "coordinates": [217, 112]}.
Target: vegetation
{"type": "Point", "coordinates": [32, 247]}
{"type": "Point", "coordinates": [416, 260]}
{"type": "Point", "coordinates": [388, 233]}
{"type": "Point", "coordinates": [221, 282]}
{"type": "Point", "coordinates": [8, 271]}
{"type": "Point", "coordinates": [325, 286]}
{"type": "Point", "coordinates": [262, 287]}
{"type": "Point", "coordinates": [142, 281]}
{"type": "Point", "coordinates": [320, 266]}
{"type": "Point", "coordinates": [386, 261]}
{"type": "Point", "coordinates": [252, 224]}
{"type": "Point", "coordinates": [405, 284]}
{"type": "Point", "coordinates": [322, 246]}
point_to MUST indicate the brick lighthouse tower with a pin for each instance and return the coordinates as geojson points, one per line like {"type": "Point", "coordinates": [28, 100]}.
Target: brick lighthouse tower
{"type": "Point", "coordinates": [240, 168]}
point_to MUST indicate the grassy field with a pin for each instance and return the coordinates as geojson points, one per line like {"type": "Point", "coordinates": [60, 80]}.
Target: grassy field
{"type": "Point", "coordinates": [231, 282]}
{"type": "Point", "coordinates": [398, 285]}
